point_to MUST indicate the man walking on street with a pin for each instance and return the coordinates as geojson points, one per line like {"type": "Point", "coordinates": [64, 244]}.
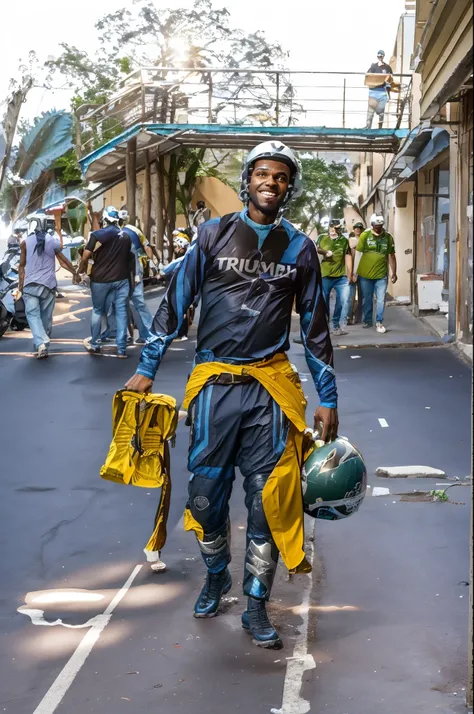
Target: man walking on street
{"type": "Point", "coordinates": [37, 279]}
{"type": "Point", "coordinates": [112, 275]}
{"type": "Point", "coordinates": [336, 269]}
{"type": "Point", "coordinates": [249, 268]}
{"type": "Point", "coordinates": [375, 250]}
{"type": "Point", "coordinates": [143, 253]}
{"type": "Point", "coordinates": [379, 94]}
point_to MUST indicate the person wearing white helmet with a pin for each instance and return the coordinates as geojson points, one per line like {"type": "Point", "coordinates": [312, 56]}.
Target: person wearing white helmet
{"type": "Point", "coordinates": [249, 268]}
{"type": "Point", "coordinates": [336, 269]}
{"type": "Point", "coordinates": [375, 251]}
{"type": "Point", "coordinates": [143, 256]}
{"type": "Point", "coordinates": [112, 275]}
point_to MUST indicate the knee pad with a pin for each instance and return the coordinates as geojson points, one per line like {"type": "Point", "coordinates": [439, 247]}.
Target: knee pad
{"type": "Point", "coordinates": [215, 549]}
{"type": "Point", "coordinates": [260, 567]}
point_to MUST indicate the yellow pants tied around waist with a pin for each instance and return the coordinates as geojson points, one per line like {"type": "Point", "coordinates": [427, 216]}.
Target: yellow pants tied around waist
{"type": "Point", "coordinates": [142, 425]}
{"type": "Point", "coordinates": [282, 498]}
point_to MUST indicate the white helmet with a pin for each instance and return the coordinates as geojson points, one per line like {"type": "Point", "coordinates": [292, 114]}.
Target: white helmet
{"type": "Point", "coordinates": [278, 152]}
{"type": "Point", "coordinates": [180, 242]}
{"type": "Point", "coordinates": [110, 215]}
{"type": "Point", "coordinates": [41, 222]}
{"type": "Point", "coordinates": [376, 220]}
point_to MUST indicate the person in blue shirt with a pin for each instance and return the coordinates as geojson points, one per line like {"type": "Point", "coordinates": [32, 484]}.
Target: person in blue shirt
{"type": "Point", "coordinates": [248, 268]}
{"type": "Point", "coordinates": [112, 275]}
{"type": "Point", "coordinates": [143, 253]}
{"type": "Point", "coordinates": [181, 243]}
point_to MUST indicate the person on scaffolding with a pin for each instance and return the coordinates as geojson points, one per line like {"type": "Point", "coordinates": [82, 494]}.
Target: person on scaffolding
{"type": "Point", "coordinates": [244, 399]}
{"type": "Point", "coordinates": [379, 89]}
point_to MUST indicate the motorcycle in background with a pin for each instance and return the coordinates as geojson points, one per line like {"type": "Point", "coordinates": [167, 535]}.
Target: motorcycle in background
{"type": "Point", "coordinates": [12, 314]}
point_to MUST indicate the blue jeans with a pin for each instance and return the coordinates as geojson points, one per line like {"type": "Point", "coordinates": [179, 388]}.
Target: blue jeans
{"type": "Point", "coordinates": [39, 307]}
{"type": "Point", "coordinates": [342, 288]}
{"type": "Point", "coordinates": [369, 287]}
{"type": "Point", "coordinates": [145, 318]}
{"type": "Point", "coordinates": [102, 296]}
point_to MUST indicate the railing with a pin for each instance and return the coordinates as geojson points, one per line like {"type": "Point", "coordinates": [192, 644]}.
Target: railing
{"type": "Point", "coordinates": [240, 96]}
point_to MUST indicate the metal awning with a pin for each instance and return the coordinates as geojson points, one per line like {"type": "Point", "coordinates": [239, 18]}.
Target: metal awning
{"type": "Point", "coordinates": [438, 142]}
{"type": "Point", "coordinates": [108, 162]}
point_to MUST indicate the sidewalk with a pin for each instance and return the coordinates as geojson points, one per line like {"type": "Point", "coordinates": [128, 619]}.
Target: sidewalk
{"type": "Point", "coordinates": [439, 324]}
{"type": "Point", "coordinates": [403, 330]}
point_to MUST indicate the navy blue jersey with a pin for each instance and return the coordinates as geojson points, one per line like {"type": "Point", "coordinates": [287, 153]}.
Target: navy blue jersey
{"type": "Point", "coordinates": [113, 259]}
{"type": "Point", "coordinates": [247, 296]}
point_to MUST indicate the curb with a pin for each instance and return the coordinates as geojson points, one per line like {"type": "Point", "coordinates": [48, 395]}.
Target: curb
{"type": "Point", "coordinates": [385, 345]}
{"type": "Point", "coordinates": [392, 345]}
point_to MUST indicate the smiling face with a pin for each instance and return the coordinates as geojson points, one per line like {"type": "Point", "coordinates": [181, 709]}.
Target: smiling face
{"type": "Point", "coordinates": [268, 187]}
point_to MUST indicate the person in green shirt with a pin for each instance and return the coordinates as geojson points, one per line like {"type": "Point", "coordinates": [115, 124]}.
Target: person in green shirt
{"type": "Point", "coordinates": [336, 270]}
{"type": "Point", "coordinates": [374, 251]}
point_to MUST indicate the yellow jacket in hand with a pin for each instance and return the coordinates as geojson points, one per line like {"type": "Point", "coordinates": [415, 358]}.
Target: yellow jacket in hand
{"type": "Point", "coordinates": [138, 455]}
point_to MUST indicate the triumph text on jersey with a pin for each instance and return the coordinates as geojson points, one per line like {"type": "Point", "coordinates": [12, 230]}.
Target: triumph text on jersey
{"type": "Point", "coordinates": [247, 295]}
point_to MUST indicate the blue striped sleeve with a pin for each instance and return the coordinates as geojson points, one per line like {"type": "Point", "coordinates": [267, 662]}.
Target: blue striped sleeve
{"type": "Point", "coordinates": [312, 310]}
{"type": "Point", "coordinates": [182, 291]}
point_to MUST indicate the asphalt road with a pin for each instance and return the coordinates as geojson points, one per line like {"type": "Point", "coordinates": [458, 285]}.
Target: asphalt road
{"type": "Point", "coordinates": [379, 628]}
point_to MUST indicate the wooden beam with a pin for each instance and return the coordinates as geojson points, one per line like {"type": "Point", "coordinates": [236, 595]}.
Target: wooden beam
{"type": "Point", "coordinates": [131, 178]}
{"type": "Point", "coordinates": [160, 205]}
{"type": "Point", "coordinates": [146, 201]}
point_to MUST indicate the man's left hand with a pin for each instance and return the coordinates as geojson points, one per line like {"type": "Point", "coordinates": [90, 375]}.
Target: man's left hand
{"type": "Point", "coordinates": [394, 278]}
{"type": "Point", "coordinates": [327, 422]}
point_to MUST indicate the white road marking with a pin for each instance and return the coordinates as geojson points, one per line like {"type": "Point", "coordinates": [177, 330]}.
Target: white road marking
{"type": "Point", "coordinates": [356, 357]}
{"type": "Point", "coordinates": [65, 678]}
{"type": "Point", "coordinates": [380, 491]}
{"type": "Point", "coordinates": [383, 423]}
{"type": "Point", "coordinates": [293, 703]}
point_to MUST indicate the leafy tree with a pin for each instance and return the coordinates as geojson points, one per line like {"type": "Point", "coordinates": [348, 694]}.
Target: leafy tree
{"type": "Point", "coordinates": [143, 34]}
{"type": "Point", "coordinates": [324, 192]}
{"type": "Point", "coordinates": [68, 171]}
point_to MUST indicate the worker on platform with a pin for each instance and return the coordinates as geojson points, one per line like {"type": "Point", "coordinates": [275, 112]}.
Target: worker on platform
{"type": "Point", "coordinates": [379, 93]}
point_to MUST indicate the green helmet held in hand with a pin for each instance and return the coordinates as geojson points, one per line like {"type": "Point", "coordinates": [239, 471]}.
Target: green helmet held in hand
{"type": "Point", "coordinates": [334, 480]}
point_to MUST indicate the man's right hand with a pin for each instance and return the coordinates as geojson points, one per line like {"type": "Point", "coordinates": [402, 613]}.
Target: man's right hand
{"type": "Point", "coordinates": [139, 383]}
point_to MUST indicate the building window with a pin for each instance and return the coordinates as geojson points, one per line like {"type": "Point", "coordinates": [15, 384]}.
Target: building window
{"type": "Point", "coordinates": [401, 199]}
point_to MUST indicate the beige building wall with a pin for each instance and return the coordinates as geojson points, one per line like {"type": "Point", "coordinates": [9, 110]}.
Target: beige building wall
{"type": "Point", "coordinates": [351, 216]}
{"type": "Point", "coordinates": [378, 167]}
{"type": "Point", "coordinates": [219, 197]}
{"type": "Point", "coordinates": [401, 226]}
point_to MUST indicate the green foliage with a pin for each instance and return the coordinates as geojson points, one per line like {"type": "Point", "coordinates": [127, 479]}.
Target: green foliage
{"type": "Point", "coordinates": [196, 163]}
{"type": "Point", "coordinates": [143, 35]}
{"type": "Point", "coordinates": [67, 169]}
{"type": "Point", "coordinates": [324, 192]}
{"type": "Point", "coordinates": [146, 34]}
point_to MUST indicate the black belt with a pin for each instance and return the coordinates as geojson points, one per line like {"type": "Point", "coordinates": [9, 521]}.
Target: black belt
{"type": "Point", "coordinates": [226, 378]}
{"type": "Point", "coordinates": [229, 378]}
